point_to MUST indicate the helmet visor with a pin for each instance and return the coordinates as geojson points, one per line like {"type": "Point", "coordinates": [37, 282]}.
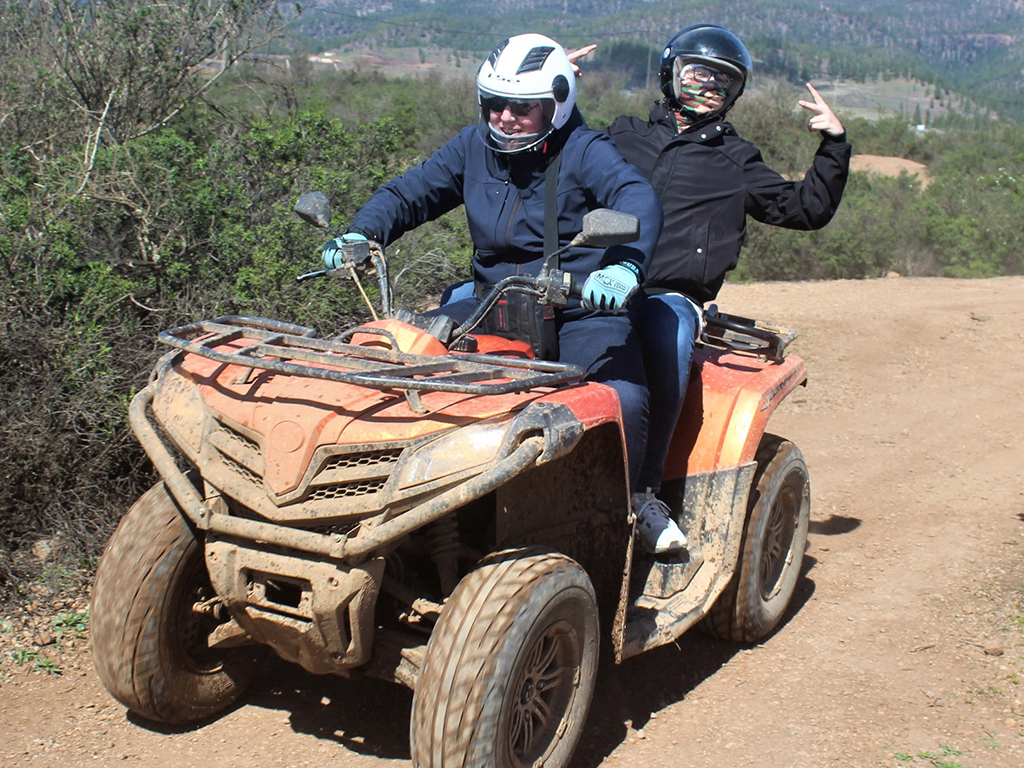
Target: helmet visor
{"type": "Point", "coordinates": [702, 87]}
{"type": "Point", "coordinates": [518, 108]}
{"type": "Point", "coordinates": [515, 124]}
{"type": "Point", "coordinates": [705, 76]}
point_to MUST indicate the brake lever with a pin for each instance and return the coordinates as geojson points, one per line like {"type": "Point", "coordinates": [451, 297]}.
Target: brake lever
{"type": "Point", "coordinates": [320, 273]}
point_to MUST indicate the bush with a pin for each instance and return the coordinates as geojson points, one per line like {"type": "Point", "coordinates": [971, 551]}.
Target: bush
{"type": "Point", "coordinates": [175, 226]}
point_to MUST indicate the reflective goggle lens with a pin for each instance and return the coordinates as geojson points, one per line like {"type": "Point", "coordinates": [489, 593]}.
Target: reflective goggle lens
{"type": "Point", "coordinates": [497, 104]}
{"type": "Point", "coordinates": [702, 74]}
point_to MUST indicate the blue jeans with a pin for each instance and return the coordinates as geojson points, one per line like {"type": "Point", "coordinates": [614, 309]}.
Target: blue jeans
{"type": "Point", "coordinates": [667, 325]}
{"type": "Point", "coordinates": [607, 347]}
{"type": "Point", "coordinates": [458, 292]}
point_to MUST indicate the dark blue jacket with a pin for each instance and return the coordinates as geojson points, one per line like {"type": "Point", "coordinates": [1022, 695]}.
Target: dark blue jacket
{"type": "Point", "coordinates": [504, 199]}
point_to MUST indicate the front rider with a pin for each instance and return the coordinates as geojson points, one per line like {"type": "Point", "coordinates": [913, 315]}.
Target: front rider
{"type": "Point", "coordinates": [530, 129]}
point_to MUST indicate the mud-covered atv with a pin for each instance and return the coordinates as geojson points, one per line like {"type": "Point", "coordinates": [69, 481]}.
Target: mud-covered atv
{"type": "Point", "coordinates": [437, 508]}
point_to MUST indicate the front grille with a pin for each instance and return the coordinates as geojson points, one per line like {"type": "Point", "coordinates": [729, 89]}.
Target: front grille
{"type": "Point", "coordinates": [365, 459]}
{"type": "Point", "coordinates": [343, 481]}
{"type": "Point", "coordinates": [352, 475]}
{"type": "Point", "coordinates": [347, 490]}
{"type": "Point", "coordinates": [242, 471]}
{"type": "Point", "coordinates": [240, 440]}
{"type": "Point", "coordinates": [239, 454]}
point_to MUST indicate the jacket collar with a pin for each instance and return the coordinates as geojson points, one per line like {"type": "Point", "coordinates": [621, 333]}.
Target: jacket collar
{"type": "Point", "coordinates": [665, 118]}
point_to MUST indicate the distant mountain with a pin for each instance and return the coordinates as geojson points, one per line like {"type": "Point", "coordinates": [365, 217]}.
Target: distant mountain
{"type": "Point", "coordinates": [973, 48]}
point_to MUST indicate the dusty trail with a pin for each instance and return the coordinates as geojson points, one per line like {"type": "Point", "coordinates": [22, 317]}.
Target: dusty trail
{"type": "Point", "coordinates": [905, 646]}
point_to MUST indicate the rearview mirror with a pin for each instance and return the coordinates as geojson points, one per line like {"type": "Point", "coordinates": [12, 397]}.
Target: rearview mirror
{"type": "Point", "coordinates": [604, 227]}
{"type": "Point", "coordinates": [314, 208]}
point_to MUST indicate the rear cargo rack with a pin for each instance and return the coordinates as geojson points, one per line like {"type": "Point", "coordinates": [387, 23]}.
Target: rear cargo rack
{"type": "Point", "coordinates": [759, 338]}
{"type": "Point", "coordinates": [258, 343]}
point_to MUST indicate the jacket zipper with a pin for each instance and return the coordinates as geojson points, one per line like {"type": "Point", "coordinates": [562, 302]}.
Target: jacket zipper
{"type": "Point", "coordinates": [511, 220]}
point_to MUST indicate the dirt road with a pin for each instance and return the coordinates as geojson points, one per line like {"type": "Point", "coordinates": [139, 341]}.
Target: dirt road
{"type": "Point", "coordinates": [905, 645]}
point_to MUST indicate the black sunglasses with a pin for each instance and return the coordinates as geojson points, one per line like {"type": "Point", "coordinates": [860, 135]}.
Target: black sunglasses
{"type": "Point", "coordinates": [517, 108]}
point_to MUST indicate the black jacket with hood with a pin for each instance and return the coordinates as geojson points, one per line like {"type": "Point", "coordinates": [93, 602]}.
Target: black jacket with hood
{"type": "Point", "coordinates": [709, 179]}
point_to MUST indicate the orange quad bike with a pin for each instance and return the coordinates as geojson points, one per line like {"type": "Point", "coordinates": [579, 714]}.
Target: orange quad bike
{"type": "Point", "coordinates": [411, 501]}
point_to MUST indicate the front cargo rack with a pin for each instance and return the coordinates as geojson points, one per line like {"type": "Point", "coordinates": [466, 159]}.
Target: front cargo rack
{"type": "Point", "coordinates": [294, 350]}
{"type": "Point", "coordinates": [758, 338]}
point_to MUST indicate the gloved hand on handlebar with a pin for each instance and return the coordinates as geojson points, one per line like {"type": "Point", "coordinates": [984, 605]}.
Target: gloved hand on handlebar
{"type": "Point", "coordinates": [610, 288]}
{"type": "Point", "coordinates": [351, 248]}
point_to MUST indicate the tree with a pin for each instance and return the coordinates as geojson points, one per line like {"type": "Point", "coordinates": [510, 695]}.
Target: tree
{"type": "Point", "coordinates": [78, 73]}
{"type": "Point", "coordinates": [84, 74]}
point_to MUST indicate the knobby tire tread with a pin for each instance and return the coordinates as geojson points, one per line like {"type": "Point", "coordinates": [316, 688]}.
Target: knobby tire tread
{"type": "Point", "coordinates": [132, 555]}
{"type": "Point", "coordinates": [473, 626]}
{"type": "Point", "coordinates": [148, 554]}
{"type": "Point", "coordinates": [727, 619]}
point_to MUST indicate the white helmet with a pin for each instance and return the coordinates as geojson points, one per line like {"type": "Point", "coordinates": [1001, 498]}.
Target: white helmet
{"type": "Point", "coordinates": [527, 68]}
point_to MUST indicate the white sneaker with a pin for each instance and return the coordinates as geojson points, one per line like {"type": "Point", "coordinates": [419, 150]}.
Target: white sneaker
{"type": "Point", "coordinates": [657, 530]}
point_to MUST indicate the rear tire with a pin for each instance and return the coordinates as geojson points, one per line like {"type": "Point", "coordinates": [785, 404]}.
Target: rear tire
{"type": "Point", "coordinates": [148, 643]}
{"type": "Point", "coordinates": [779, 511]}
{"type": "Point", "coordinates": [509, 669]}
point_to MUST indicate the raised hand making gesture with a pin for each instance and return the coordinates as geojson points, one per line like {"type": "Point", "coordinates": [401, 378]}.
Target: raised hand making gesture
{"type": "Point", "coordinates": [710, 180]}
{"type": "Point", "coordinates": [824, 118]}
{"type": "Point", "coordinates": [576, 55]}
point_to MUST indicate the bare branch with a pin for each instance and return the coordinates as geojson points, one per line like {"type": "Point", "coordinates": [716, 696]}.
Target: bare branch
{"type": "Point", "coordinates": [209, 83]}
{"type": "Point", "coordinates": [90, 163]}
{"type": "Point", "coordinates": [139, 304]}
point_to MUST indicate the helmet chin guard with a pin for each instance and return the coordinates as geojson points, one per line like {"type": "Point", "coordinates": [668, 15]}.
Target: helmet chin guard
{"type": "Point", "coordinates": [528, 67]}
{"type": "Point", "coordinates": [510, 144]}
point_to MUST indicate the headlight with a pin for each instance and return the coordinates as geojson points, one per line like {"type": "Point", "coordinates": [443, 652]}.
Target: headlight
{"type": "Point", "coordinates": [457, 451]}
{"type": "Point", "coordinates": [179, 408]}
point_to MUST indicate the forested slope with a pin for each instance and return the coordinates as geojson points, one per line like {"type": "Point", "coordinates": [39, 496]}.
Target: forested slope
{"type": "Point", "coordinates": [975, 48]}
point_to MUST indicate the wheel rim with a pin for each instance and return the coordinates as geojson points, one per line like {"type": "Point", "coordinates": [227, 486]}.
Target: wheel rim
{"type": "Point", "coordinates": [544, 691]}
{"type": "Point", "coordinates": [776, 554]}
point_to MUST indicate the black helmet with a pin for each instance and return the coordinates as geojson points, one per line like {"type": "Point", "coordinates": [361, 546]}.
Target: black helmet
{"type": "Point", "coordinates": [707, 44]}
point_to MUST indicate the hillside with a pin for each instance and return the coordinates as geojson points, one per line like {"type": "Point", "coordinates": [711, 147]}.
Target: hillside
{"type": "Point", "coordinates": [948, 44]}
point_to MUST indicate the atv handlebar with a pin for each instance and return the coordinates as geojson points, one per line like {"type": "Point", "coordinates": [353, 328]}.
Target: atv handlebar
{"type": "Point", "coordinates": [602, 228]}
{"type": "Point", "coordinates": [348, 269]}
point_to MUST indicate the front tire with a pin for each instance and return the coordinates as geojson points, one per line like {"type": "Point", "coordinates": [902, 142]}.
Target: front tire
{"type": "Point", "coordinates": [773, 546]}
{"type": "Point", "coordinates": [148, 633]}
{"type": "Point", "coordinates": [509, 670]}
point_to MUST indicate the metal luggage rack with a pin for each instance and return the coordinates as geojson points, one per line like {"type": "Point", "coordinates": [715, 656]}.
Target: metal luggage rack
{"type": "Point", "coordinates": [743, 335]}
{"type": "Point", "coordinates": [294, 350]}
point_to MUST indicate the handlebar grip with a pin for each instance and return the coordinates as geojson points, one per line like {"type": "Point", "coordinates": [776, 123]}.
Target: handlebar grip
{"type": "Point", "coordinates": [575, 288]}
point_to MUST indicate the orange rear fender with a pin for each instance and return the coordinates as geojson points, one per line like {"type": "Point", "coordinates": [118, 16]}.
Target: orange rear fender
{"type": "Point", "coordinates": [728, 403]}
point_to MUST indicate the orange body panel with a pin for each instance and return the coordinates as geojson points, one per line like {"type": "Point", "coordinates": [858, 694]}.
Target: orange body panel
{"type": "Point", "coordinates": [495, 345]}
{"type": "Point", "coordinates": [728, 403]}
{"type": "Point", "coordinates": [295, 415]}
{"type": "Point", "coordinates": [414, 340]}
{"type": "Point", "coordinates": [409, 338]}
